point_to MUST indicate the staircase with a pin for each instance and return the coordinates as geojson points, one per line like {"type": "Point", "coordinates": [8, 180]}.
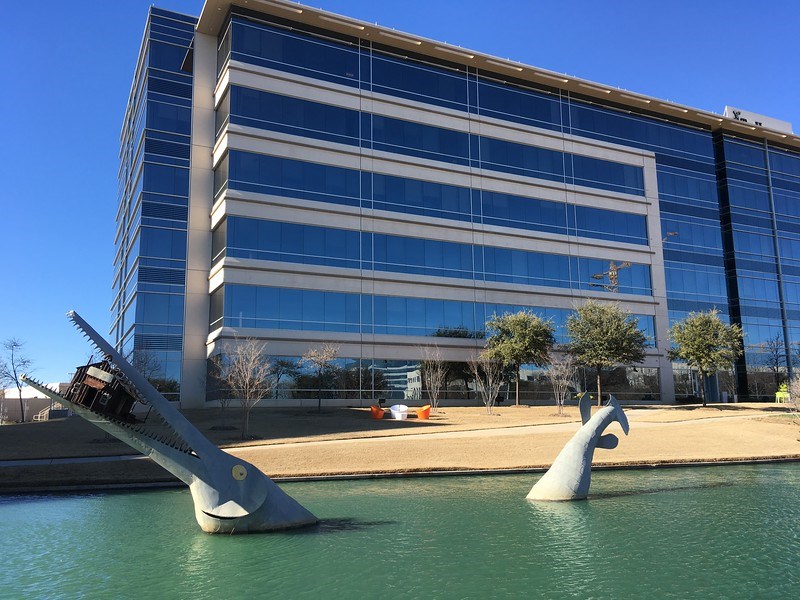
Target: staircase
{"type": "Point", "coordinates": [56, 411]}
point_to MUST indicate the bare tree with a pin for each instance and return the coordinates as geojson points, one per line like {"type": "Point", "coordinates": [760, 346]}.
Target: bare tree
{"type": "Point", "coordinates": [246, 369]}
{"type": "Point", "coordinates": [13, 365]}
{"type": "Point", "coordinates": [221, 388]}
{"type": "Point", "coordinates": [489, 376]}
{"type": "Point", "coordinates": [322, 360]}
{"type": "Point", "coordinates": [560, 373]}
{"type": "Point", "coordinates": [434, 373]}
{"type": "Point", "coordinates": [775, 357]}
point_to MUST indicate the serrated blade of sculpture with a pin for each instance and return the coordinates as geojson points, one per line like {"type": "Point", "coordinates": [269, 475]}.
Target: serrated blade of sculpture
{"type": "Point", "coordinates": [230, 495]}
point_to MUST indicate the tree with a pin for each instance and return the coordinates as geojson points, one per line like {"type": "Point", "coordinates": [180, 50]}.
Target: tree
{"type": "Point", "coordinates": [560, 373]}
{"type": "Point", "coordinates": [247, 371]}
{"type": "Point", "coordinates": [434, 373]}
{"type": "Point", "coordinates": [457, 370]}
{"type": "Point", "coordinates": [152, 368]}
{"type": "Point", "coordinates": [775, 357]}
{"type": "Point", "coordinates": [705, 343]}
{"type": "Point", "coordinates": [322, 361]}
{"type": "Point", "coordinates": [283, 367]}
{"type": "Point", "coordinates": [13, 365]}
{"type": "Point", "coordinates": [488, 375]}
{"type": "Point", "coordinates": [222, 390]}
{"type": "Point", "coordinates": [603, 335]}
{"type": "Point", "coordinates": [519, 339]}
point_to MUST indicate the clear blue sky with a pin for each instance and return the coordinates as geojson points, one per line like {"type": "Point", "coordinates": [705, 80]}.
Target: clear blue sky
{"type": "Point", "coordinates": [68, 67]}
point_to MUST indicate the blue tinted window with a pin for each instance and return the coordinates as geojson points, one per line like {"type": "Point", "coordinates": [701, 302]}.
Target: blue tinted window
{"type": "Point", "coordinates": [617, 127]}
{"type": "Point", "coordinates": [335, 311]}
{"type": "Point", "coordinates": [517, 104]}
{"type": "Point", "coordinates": [614, 276]}
{"type": "Point", "coordinates": [751, 243]}
{"type": "Point", "coordinates": [416, 139]}
{"type": "Point", "coordinates": [751, 198]}
{"type": "Point", "coordinates": [285, 177]}
{"type": "Point", "coordinates": [695, 235]}
{"type": "Point", "coordinates": [527, 213]}
{"type": "Point", "coordinates": [264, 110]}
{"type": "Point", "coordinates": [744, 153]}
{"type": "Point", "coordinates": [681, 186]}
{"type": "Point", "coordinates": [783, 162]}
{"type": "Point", "coordinates": [688, 282]}
{"type": "Point", "coordinates": [542, 163]}
{"type": "Point", "coordinates": [790, 249]}
{"type": "Point", "coordinates": [160, 308]}
{"type": "Point", "coordinates": [166, 56]}
{"type": "Point", "coordinates": [617, 177]}
{"type": "Point", "coordinates": [166, 180]}
{"type": "Point", "coordinates": [169, 117]}
{"type": "Point", "coordinates": [610, 225]}
{"type": "Point", "coordinates": [423, 257]}
{"type": "Point", "coordinates": [524, 160]}
{"type": "Point", "coordinates": [290, 242]}
{"type": "Point", "coordinates": [306, 244]}
{"type": "Point", "coordinates": [421, 197]}
{"type": "Point", "coordinates": [416, 81]}
{"type": "Point", "coordinates": [164, 243]}
{"type": "Point", "coordinates": [304, 55]}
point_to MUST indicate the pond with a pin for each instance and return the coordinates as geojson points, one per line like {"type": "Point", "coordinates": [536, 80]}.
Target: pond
{"type": "Point", "coordinates": [729, 532]}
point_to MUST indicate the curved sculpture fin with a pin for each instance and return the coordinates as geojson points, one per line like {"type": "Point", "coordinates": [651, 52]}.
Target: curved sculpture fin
{"type": "Point", "coordinates": [608, 441]}
{"type": "Point", "coordinates": [619, 414]}
{"type": "Point", "coordinates": [569, 477]}
{"type": "Point", "coordinates": [585, 407]}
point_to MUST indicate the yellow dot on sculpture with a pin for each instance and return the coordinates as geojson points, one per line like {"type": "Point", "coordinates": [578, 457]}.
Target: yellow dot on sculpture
{"type": "Point", "coordinates": [239, 472]}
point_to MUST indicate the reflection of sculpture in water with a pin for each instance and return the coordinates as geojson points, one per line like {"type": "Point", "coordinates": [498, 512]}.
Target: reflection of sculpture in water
{"type": "Point", "coordinates": [570, 474]}
{"type": "Point", "coordinates": [564, 522]}
{"type": "Point", "coordinates": [230, 495]}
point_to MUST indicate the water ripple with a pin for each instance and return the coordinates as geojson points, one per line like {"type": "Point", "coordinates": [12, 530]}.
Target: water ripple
{"type": "Point", "coordinates": [680, 533]}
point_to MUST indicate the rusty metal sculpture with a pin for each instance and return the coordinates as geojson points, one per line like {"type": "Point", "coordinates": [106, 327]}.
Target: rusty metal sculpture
{"type": "Point", "coordinates": [230, 495]}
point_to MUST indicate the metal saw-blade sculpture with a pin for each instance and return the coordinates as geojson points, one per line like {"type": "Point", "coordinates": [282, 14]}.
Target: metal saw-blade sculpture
{"type": "Point", "coordinates": [230, 495]}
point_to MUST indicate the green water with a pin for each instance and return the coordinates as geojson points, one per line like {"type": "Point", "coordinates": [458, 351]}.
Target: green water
{"type": "Point", "coordinates": [722, 532]}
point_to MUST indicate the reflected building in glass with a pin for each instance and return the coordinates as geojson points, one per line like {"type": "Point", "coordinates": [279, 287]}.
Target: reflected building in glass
{"type": "Point", "coordinates": [353, 184]}
{"type": "Point", "coordinates": [149, 286]}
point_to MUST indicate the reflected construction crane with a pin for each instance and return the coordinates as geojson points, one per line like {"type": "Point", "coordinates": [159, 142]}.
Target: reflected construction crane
{"type": "Point", "coordinates": [613, 270]}
{"type": "Point", "coordinates": [612, 274]}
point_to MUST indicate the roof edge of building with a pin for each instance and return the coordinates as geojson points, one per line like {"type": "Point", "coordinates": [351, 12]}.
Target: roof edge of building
{"type": "Point", "coordinates": [214, 13]}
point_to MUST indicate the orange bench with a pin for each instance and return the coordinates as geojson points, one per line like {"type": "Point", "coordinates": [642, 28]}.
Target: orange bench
{"type": "Point", "coordinates": [424, 412]}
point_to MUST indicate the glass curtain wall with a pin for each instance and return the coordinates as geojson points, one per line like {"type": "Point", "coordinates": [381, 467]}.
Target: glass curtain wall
{"type": "Point", "coordinates": [150, 260]}
{"type": "Point", "coordinates": [685, 155]}
{"type": "Point", "coordinates": [760, 191]}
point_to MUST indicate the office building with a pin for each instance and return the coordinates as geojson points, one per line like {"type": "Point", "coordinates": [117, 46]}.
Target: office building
{"type": "Point", "coordinates": [303, 177]}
